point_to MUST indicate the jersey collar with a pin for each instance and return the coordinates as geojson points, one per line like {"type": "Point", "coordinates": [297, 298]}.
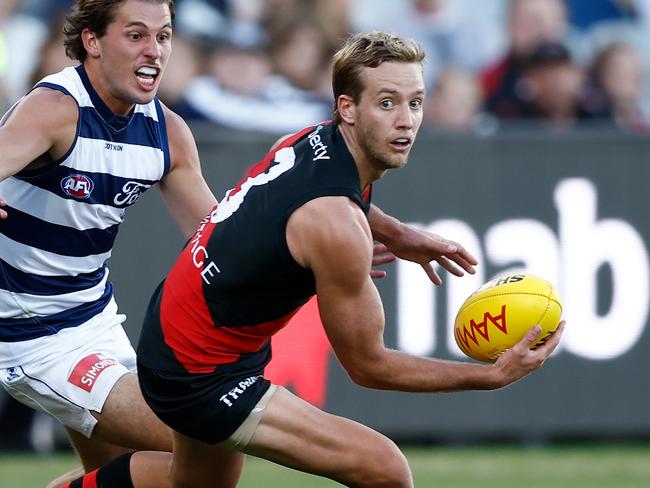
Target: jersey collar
{"type": "Point", "coordinates": [115, 122]}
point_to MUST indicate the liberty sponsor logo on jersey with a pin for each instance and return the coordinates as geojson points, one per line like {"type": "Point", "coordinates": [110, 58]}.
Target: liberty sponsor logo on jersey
{"type": "Point", "coordinates": [131, 191]}
{"type": "Point", "coordinates": [77, 186]}
{"type": "Point", "coordinates": [320, 149]}
{"type": "Point", "coordinates": [85, 373]}
{"type": "Point", "coordinates": [238, 390]}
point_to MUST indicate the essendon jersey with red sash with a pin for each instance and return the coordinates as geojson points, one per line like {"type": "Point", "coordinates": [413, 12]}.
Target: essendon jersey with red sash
{"type": "Point", "coordinates": [236, 284]}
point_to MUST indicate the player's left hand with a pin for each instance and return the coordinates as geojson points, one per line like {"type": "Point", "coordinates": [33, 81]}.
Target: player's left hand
{"type": "Point", "coordinates": [424, 247]}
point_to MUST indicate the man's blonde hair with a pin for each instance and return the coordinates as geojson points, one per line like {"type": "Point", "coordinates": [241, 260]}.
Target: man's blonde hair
{"type": "Point", "coordinates": [368, 50]}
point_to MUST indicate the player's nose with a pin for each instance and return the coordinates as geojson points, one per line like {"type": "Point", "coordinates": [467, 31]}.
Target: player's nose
{"type": "Point", "coordinates": [404, 117]}
{"type": "Point", "coordinates": [152, 48]}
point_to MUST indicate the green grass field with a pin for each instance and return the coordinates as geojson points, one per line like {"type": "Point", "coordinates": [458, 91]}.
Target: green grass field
{"type": "Point", "coordinates": [614, 466]}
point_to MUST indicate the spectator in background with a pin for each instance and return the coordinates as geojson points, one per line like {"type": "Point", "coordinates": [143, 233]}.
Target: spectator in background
{"type": "Point", "coordinates": [185, 64]}
{"type": "Point", "coordinates": [530, 23]}
{"type": "Point", "coordinates": [45, 10]}
{"type": "Point", "coordinates": [51, 57]}
{"type": "Point", "coordinates": [237, 92]}
{"type": "Point", "coordinates": [552, 89]}
{"type": "Point", "coordinates": [453, 33]}
{"type": "Point", "coordinates": [334, 18]}
{"type": "Point", "coordinates": [245, 23]}
{"type": "Point", "coordinates": [454, 103]}
{"type": "Point", "coordinates": [204, 20]}
{"type": "Point", "coordinates": [275, 88]}
{"type": "Point", "coordinates": [300, 51]}
{"type": "Point", "coordinates": [586, 13]}
{"type": "Point", "coordinates": [618, 75]}
{"type": "Point", "coordinates": [22, 35]}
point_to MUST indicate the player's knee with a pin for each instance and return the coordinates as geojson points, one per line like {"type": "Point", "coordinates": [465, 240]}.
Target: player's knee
{"type": "Point", "coordinates": [395, 471]}
{"type": "Point", "coordinates": [387, 467]}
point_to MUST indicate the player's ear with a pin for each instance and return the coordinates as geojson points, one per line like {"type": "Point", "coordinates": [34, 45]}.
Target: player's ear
{"type": "Point", "coordinates": [347, 109]}
{"type": "Point", "coordinates": [91, 42]}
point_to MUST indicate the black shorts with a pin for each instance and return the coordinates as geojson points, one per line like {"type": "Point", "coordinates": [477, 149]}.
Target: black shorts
{"type": "Point", "coordinates": [205, 406]}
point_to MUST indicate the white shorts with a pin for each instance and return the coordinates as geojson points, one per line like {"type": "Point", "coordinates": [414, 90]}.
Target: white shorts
{"type": "Point", "coordinates": [70, 383]}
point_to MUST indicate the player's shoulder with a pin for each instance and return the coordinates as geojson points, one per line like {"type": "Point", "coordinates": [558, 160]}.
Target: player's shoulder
{"type": "Point", "coordinates": [45, 98]}
{"type": "Point", "coordinates": [173, 121]}
{"type": "Point", "coordinates": [333, 217]}
{"type": "Point", "coordinates": [182, 145]}
{"type": "Point", "coordinates": [331, 234]}
{"type": "Point", "coordinates": [178, 131]}
{"type": "Point", "coordinates": [317, 131]}
{"type": "Point", "coordinates": [45, 106]}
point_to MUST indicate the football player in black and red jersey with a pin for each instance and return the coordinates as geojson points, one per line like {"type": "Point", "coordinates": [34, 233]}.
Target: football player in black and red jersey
{"type": "Point", "coordinates": [301, 224]}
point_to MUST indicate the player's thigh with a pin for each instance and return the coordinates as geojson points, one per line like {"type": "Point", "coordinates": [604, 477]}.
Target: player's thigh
{"type": "Point", "coordinates": [127, 420]}
{"type": "Point", "coordinates": [197, 464]}
{"type": "Point", "coordinates": [294, 433]}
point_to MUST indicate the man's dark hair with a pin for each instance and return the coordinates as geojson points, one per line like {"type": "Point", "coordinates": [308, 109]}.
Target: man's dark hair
{"type": "Point", "coordinates": [95, 15]}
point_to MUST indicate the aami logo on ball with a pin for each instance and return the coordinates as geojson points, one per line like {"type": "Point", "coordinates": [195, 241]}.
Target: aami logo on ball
{"type": "Point", "coordinates": [78, 186]}
{"type": "Point", "coordinates": [499, 321]}
{"type": "Point", "coordinates": [85, 373]}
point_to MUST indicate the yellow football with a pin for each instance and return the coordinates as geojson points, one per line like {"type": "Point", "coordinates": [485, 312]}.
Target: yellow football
{"type": "Point", "coordinates": [497, 315]}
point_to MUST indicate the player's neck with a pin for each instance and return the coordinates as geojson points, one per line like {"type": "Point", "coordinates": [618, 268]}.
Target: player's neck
{"type": "Point", "coordinates": [99, 84]}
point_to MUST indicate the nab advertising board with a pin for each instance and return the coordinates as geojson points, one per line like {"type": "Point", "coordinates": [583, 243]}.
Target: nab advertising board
{"type": "Point", "coordinates": [572, 209]}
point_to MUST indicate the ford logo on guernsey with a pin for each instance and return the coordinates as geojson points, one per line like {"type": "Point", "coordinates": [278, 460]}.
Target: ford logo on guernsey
{"type": "Point", "coordinates": [77, 186]}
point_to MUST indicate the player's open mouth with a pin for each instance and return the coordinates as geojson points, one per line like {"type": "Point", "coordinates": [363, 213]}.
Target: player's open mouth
{"type": "Point", "coordinates": [401, 143]}
{"type": "Point", "coordinates": [147, 76]}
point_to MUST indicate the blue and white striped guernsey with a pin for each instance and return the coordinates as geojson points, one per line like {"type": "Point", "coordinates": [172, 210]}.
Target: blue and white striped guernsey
{"type": "Point", "coordinates": [63, 218]}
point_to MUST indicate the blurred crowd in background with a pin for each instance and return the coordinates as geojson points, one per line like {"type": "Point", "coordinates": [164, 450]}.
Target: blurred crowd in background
{"type": "Point", "coordinates": [264, 65]}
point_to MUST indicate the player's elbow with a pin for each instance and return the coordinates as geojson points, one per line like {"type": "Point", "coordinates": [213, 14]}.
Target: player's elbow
{"type": "Point", "coordinates": [366, 373]}
{"type": "Point", "coordinates": [361, 378]}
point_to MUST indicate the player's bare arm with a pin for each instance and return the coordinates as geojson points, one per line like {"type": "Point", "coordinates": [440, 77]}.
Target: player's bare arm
{"type": "Point", "coordinates": [42, 124]}
{"type": "Point", "coordinates": [331, 237]}
{"type": "Point", "coordinates": [419, 246]}
{"type": "Point", "coordinates": [184, 190]}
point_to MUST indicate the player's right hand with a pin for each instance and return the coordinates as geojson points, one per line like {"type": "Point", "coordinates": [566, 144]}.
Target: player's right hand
{"type": "Point", "coordinates": [520, 360]}
{"type": "Point", "coordinates": [3, 213]}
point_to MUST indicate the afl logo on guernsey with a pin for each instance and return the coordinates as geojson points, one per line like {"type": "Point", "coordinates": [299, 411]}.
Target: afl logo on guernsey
{"type": "Point", "coordinates": [77, 186]}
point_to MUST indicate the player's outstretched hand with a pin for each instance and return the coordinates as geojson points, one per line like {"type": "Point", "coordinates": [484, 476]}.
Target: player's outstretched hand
{"type": "Point", "coordinates": [380, 255]}
{"type": "Point", "coordinates": [520, 360]}
{"type": "Point", "coordinates": [3, 213]}
{"type": "Point", "coordinates": [423, 247]}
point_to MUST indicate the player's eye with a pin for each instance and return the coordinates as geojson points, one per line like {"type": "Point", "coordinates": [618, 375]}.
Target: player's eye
{"type": "Point", "coordinates": [386, 103]}
{"type": "Point", "coordinates": [416, 104]}
{"type": "Point", "coordinates": [134, 36]}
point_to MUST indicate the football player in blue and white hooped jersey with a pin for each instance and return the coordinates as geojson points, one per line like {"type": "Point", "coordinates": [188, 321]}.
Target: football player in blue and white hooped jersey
{"type": "Point", "coordinates": [75, 152]}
